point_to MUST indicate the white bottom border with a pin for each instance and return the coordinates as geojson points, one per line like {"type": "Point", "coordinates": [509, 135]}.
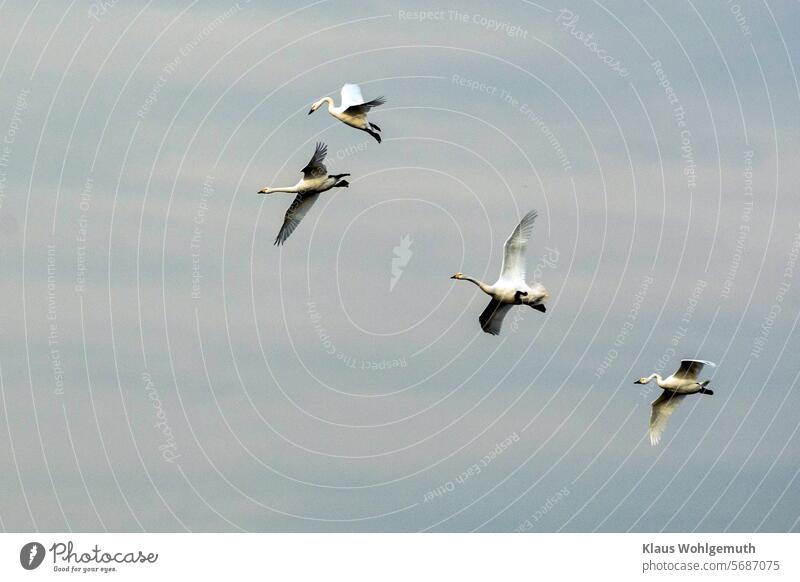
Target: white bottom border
{"type": "Point", "coordinates": [402, 557]}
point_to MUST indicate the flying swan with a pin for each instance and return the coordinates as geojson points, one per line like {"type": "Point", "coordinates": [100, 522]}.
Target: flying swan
{"type": "Point", "coordinates": [675, 387]}
{"type": "Point", "coordinates": [315, 181]}
{"type": "Point", "coordinates": [511, 288]}
{"type": "Point", "coordinates": [353, 109]}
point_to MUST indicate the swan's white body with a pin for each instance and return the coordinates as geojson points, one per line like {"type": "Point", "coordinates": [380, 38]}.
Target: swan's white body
{"type": "Point", "coordinates": [675, 387]}
{"type": "Point", "coordinates": [315, 181]}
{"type": "Point", "coordinates": [511, 288]}
{"type": "Point", "coordinates": [353, 109]}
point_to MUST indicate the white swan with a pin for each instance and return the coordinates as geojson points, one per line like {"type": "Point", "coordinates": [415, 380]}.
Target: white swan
{"type": "Point", "coordinates": [353, 109]}
{"type": "Point", "coordinates": [675, 387]}
{"type": "Point", "coordinates": [511, 288]}
{"type": "Point", "coordinates": [315, 181]}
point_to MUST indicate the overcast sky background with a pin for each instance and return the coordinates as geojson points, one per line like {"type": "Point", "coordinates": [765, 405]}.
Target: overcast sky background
{"type": "Point", "coordinates": [294, 389]}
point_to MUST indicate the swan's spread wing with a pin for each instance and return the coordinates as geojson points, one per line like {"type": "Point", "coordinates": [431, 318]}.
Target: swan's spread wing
{"type": "Point", "coordinates": [295, 214]}
{"type": "Point", "coordinates": [663, 407]}
{"type": "Point", "coordinates": [514, 259]}
{"type": "Point", "coordinates": [690, 369]}
{"type": "Point", "coordinates": [315, 168]}
{"type": "Point", "coordinates": [351, 95]}
{"type": "Point", "coordinates": [364, 107]}
{"type": "Point", "coordinates": [492, 317]}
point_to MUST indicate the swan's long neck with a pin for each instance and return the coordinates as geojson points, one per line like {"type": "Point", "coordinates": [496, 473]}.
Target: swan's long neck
{"type": "Point", "coordinates": [659, 379]}
{"type": "Point", "coordinates": [327, 100]}
{"type": "Point", "coordinates": [290, 189]}
{"type": "Point", "coordinates": [484, 287]}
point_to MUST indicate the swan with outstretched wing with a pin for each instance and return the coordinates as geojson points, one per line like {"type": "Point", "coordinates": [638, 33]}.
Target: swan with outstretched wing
{"type": "Point", "coordinates": [352, 109]}
{"type": "Point", "coordinates": [510, 288]}
{"type": "Point", "coordinates": [315, 181]}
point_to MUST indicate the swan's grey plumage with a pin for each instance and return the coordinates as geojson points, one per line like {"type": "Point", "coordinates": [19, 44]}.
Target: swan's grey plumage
{"type": "Point", "coordinates": [315, 168]}
{"type": "Point", "coordinates": [510, 288]}
{"type": "Point", "coordinates": [300, 206]}
{"type": "Point", "coordinates": [315, 181]}
{"type": "Point", "coordinates": [491, 319]}
{"type": "Point", "coordinates": [676, 388]}
{"type": "Point", "coordinates": [352, 109]}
